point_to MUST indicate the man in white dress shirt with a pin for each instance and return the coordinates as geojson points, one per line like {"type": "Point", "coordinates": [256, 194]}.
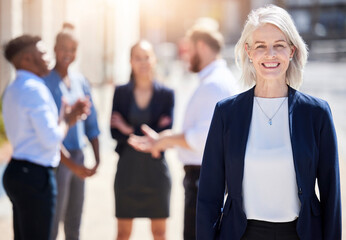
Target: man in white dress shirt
{"type": "Point", "coordinates": [35, 131]}
{"type": "Point", "coordinates": [216, 83]}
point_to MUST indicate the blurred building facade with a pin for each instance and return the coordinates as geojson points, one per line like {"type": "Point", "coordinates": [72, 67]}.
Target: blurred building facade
{"type": "Point", "coordinates": [322, 24]}
{"type": "Point", "coordinates": [167, 20]}
{"type": "Point", "coordinates": [316, 20]}
{"type": "Point", "coordinates": [106, 29]}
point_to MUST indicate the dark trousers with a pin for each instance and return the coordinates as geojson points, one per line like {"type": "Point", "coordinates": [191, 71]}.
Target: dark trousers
{"type": "Point", "coordinates": [191, 180]}
{"type": "Point", "coordinates": [261, 230]}
{"type": "Point", "coordinates": [32, 191]}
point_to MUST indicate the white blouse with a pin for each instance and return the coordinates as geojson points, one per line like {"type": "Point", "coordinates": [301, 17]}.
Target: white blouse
{"type": "Point", "coordinates": [269, 183]}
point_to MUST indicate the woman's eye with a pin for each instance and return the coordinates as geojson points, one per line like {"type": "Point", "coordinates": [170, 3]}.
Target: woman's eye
{"type": "Point", "coordinates": [260, 46]}
{"type": "Point", "coordinates": [279, 46]}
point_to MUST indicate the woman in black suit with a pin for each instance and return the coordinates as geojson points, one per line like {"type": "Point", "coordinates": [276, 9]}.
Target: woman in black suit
{"type": "Point", "coordinates": [268, 146]}
{"type": "Point", "coordinates": [142, 184]}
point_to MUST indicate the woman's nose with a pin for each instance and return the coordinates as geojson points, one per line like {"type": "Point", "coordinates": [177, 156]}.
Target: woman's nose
{"type": "Point", "coordinates": [271, 52]}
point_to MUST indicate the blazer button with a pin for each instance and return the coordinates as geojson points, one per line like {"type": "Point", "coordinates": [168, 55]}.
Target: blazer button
{"type": "Point", "coordinates": [300, 191]}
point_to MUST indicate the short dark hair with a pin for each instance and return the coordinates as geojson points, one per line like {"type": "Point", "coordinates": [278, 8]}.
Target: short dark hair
{"type": "Point", "coordinates": [18, 44]}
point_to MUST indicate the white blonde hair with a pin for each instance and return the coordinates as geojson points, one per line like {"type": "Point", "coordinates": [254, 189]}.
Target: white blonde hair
{"type": "Point", "coordinates": [280, 18]}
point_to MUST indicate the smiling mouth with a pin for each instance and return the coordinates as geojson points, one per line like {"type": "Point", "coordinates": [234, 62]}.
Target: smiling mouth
{"type": "Point", "coordinates": [270, 65]}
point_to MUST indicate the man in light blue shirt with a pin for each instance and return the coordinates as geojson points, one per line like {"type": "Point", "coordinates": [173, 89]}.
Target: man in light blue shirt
{"type": "Point", "coordinates": [63, 83]}
{"type": "Point", "coordinates": [35, 131]}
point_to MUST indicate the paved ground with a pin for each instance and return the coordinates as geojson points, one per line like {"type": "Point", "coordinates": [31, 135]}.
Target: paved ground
{"type": "Point", "coordinates": [326, 80]}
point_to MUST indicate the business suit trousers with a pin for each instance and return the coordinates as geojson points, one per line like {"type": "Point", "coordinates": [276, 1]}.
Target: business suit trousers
{"type": "Point", "coordinates": [32, 191]}
{"type": "Point", "coordinates": [261, 230]}
{"type": "Point", "coordinates": [70, 199]}
{"type": "Point", "coordinates": [191, 181]}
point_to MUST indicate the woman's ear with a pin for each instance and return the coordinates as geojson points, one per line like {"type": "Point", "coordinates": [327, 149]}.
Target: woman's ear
{"type": "Point", "coordinates": [293, 50]}
{"type": "Point", "coordinates": [247, 49]}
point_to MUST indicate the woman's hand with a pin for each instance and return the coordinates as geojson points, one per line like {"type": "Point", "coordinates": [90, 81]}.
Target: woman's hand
{"type": "Point", "coordinates": [164, 121]}
{"type": "Point", "coordinates": [118, 122]}
{"type": "Point", "coordinates": [82, 171]}
{"type": "Point", "coordinates": [79, 170]}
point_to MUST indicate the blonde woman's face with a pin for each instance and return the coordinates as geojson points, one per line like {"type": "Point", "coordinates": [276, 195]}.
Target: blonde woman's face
{"type": "Point", "coordinates": [270, 53]}
{"type": "Point", "coordinates": [142, 60]}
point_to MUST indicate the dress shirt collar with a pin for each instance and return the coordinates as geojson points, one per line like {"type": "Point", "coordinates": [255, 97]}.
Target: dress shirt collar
{"type": "Point", "coordinates": [24, 74]}
{"type": "Point", "coordinates": [210, 67]}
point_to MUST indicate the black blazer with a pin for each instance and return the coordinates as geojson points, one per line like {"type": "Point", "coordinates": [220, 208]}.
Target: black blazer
{"type": "Point", "coordinates": [315, 155]}
{"type": "Point", "coordinates": [162, 104]}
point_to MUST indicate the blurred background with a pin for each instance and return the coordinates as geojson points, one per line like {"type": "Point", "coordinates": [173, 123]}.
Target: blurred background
{"type": "Point", "coordinates": [108, 28]}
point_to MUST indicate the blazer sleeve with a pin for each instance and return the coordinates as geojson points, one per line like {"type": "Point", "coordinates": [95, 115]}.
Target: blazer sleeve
{"type": "Point", "coordinates": [118, 100]}
{"type": "Point", "coordinates": [212, 181]}
{"type": "Point", "coordinates": [167, 110]}
{"type": "Point", "coordinates": [329, 179]}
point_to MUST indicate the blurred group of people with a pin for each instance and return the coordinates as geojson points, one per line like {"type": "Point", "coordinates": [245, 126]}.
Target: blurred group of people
{"type": "Point", "coordinates": [251, 159]}
{"type": "Point", "coordinates": [47, 114]}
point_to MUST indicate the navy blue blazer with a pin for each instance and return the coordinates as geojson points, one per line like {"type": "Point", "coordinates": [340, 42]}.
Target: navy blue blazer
{"type": "Point", "coordinates": [161, 104]}
{"type": "Point", "coordinates": [315, 155]}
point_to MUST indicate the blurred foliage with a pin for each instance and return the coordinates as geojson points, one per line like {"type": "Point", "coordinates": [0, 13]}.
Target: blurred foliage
{"type": "Point", "coordinates": [2, 127]}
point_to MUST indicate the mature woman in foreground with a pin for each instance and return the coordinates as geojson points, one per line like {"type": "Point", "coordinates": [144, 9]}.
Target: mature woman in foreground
{"type": "Point", "coordinates": [267, 146]}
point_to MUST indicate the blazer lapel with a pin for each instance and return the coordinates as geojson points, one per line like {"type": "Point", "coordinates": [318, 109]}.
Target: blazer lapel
{"type": "Point", "coordinates": [239, 129]}
{"type": "Point", "coordinates": [293, 97]}
{"type": "Point", "coordinates": [155, 102]}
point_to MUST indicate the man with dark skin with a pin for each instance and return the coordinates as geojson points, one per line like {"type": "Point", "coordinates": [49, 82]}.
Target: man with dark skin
{"type": "Point", "coordinates": [35, 131]}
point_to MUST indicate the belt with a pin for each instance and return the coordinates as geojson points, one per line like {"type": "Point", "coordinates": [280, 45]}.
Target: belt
{"type": "Point", "coordinates": [28, 163]}
{"type": "Point", "coordinates": [273, 225]}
